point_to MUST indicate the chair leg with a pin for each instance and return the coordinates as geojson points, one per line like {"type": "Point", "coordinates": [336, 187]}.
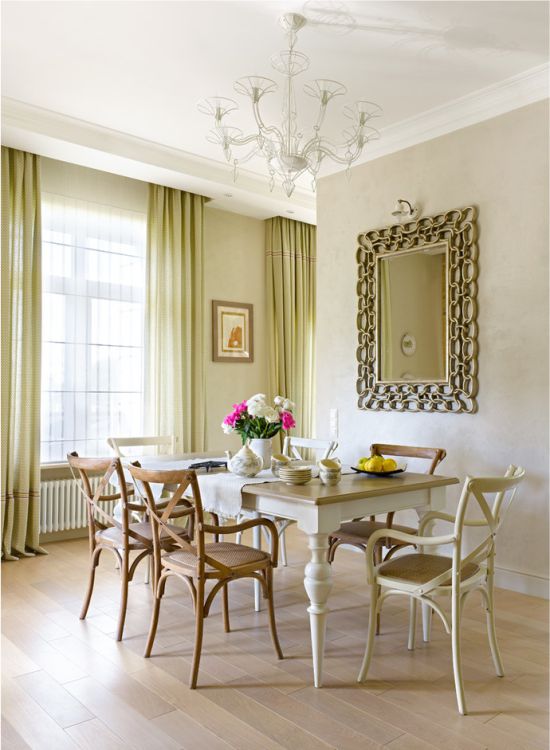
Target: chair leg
{"type": "Point", "coordinates": [225, 601]}
{"type": "Point", "coordinates": [377, 561]}
{"type": "Point", "coordinates": [271, 611]}
{"type": "Point", "coordinates": [427, 615]}
{"type": "Point", "coordinates": [282, 547]}
{"type": "Point", "coordinates": [199, 628]}
{"type": "Point", "coordinates": [370, 635]}
{"type": "Point", "coordinates": [455, 639]}
{"type": "Point", "coordinates": [159, 591]}
{"type": "Point", "coordinates": [123, 593]}
{"type": "Point", "coordinates": [412, 622]}
{"type": "Point", "coordinates": [491, 629]}
{"type": "Point", "coordinates": [91, 580]}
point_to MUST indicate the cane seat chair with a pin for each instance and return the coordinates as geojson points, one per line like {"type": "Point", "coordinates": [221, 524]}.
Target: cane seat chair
{"type": "Point", "coordinates": [357, 533]}
{"type": "Point", "coordinates": [199, 562]}
{"type": "Point", "coordinates": [120, 536]}
{"type": "Point", "coordinates": [422, 577]}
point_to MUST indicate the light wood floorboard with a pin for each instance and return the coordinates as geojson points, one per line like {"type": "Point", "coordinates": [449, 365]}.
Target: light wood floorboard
{"type": "Point", "coordinates": [69, 684]}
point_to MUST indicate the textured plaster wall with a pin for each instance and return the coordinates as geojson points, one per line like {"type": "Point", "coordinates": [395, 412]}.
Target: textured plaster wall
{"type": "Point", "coordinates": [234, 271]}
{"type": "Point", "coordinates": [500, 166]}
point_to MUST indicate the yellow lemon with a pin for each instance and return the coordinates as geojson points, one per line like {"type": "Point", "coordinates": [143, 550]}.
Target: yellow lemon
{"type": "Point", "coordinates": [389, 465]}
{"type": "Point", "coordinates": [375, 464]}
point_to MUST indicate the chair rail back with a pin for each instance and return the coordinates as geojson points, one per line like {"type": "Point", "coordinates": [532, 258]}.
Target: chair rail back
{"type": "Point", "coordinates": [435, 455]}
{"type": "Point", "coordinates": [117, 443]}
{"type": "Point", "coordinates": [324, 447]}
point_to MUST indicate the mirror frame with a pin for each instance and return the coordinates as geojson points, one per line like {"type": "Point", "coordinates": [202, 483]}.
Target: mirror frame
{"type": "Point", "coordinates": [458, 230]}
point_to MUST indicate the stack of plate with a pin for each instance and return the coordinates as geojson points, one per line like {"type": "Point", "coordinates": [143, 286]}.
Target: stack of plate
{"type": "Point", "coordinates": [295, 474]}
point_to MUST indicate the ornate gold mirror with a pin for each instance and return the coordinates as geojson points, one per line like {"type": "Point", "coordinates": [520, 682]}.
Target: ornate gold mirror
{"type": "Point", "coordinates": [417, 315]}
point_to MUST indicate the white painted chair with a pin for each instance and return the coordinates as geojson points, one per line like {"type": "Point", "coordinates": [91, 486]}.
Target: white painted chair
{"type": "Point", "coordinates": [166, 442]}
{"type": "Point", "coordinates": [323, 449]}
{"type": "Point", "coordinates": [422, 576]}
{"type": "Point", "coordinates": [291, 446]}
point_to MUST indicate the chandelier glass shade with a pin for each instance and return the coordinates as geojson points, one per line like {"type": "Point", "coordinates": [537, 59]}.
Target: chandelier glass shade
{"type": "Point", "coordinates": [289, 150]}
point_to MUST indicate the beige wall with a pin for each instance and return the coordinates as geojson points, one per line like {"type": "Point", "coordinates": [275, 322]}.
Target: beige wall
{"type": "Point", "coordinates": [234, 271]}
{"type": "Point", "coordinates": [501, 166]}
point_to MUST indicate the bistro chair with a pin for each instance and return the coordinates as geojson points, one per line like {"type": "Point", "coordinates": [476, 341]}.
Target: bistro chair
{"type": "Point", "coordinates": [199, 562]}
{"type": "Point", "coordinates": [422, 577]}
{"type": "Point", "coordinates": [357, 533]}
{"type": "Point", "coordinates": [291, 446]}
{"type": "Point", "coordinates": [165, 444]}
{"type": "Point", "coordinates": [118, 535]}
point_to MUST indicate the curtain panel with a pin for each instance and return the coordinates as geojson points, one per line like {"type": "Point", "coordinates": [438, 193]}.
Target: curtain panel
{"type": "Point", "coordinates": [20, 351]}
{"type": "Point", "coordinates": [175, 372]}
{"type": "Point", "coordinates": [291, 284]}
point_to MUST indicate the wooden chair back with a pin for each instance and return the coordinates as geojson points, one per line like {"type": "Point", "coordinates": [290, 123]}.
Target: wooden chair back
{"type": "Point", "coordinates": [98, 517]}
{"type": "Point", "coordinates": [323, 448]}
{"type": "Point", "coordinates": [434, 455]}
{"type": "Point", "coordinates": [166, 442]}
{"type": "Point", "coordinates": [179, 505]}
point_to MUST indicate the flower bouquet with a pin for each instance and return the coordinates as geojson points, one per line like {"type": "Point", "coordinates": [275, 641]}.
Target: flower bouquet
{"type": "Point", "coordinates": [256, 419]}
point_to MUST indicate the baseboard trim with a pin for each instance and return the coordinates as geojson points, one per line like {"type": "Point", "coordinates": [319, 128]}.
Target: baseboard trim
{"type": "Point", "coordinates": [63, 536]}
{"type": "Point", "coordinates": [523, 583]}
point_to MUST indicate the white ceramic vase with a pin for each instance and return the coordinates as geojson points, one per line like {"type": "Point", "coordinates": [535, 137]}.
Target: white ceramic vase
{"type": "Point", "coordinates": [263, 447]}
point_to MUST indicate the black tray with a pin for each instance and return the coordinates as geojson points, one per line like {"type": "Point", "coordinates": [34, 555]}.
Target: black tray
{"type": "Point", "coordinates": [378, 473]}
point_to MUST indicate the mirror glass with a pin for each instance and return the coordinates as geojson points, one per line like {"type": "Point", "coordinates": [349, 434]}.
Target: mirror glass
{"type": "Point", "coordinates": [412, 315]}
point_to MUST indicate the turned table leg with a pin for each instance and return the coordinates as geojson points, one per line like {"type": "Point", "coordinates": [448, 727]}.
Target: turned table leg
{"type": "Point", "coordinates": [318, 583]}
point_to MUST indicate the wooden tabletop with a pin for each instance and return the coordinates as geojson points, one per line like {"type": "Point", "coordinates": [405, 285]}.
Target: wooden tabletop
{"type": "Point", "coordinates": [351, 487]}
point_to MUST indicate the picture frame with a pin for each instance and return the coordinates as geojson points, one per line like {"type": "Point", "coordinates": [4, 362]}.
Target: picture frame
{"type": "Point", "coordinates": [232, 331]}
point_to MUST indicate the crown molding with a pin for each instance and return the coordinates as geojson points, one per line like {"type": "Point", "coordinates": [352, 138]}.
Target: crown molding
{"type": "Point", "coordinates": [512, 93]}
{"type": "Point", "coordinates": [59, 136]}
{"type": "Point", "coordinates": [69, 139]}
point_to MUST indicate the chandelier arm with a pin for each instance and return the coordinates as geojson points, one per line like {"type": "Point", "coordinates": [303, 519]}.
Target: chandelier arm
{"type": "Point", "coordinates": [264, 129]}
{"type": "Point", "coordinates": [245, 140]}
{"type": "Point", "coordinates": [332, 154]}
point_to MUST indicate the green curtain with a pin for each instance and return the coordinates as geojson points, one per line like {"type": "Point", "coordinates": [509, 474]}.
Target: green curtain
{"type": "Point", "coordinates": [175, 372]}
{"type": "Point", "coordinates": [291, 284]}
{"type": "Point", "coordinates": [20, 348]}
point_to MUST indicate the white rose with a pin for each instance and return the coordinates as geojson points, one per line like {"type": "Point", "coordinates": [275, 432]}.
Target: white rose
{"type": "Point", "coordinates": [279, 400]}
{"type": "Point", "coordinates": [227, 428]}
{"type": "Point", "coordinates": [259, 398]}
{"type": "Point", "coordinates": [265, 411]}
{"type": "Point", "coordinates": [288, 405]}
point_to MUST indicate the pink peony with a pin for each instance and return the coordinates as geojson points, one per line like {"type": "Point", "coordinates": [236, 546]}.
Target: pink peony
{"type": "Point", "coordinates": [288, 420]}
{"type": "Point", "coordinates": [238, 409]}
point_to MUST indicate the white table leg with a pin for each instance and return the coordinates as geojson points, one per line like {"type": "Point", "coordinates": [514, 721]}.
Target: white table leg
{"type": "Point", "coordinates": [257, 543]}
{"type": "Point", "coordinates": [318, 583]}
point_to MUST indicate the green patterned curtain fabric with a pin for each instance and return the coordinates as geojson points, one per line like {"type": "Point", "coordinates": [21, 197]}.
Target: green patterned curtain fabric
{"type": "Point", "coordinates": [291, 284]}
{"type": "Point", "coordinates": [20, 349]}
{"type": "Point", "coordinates": [175, 374]}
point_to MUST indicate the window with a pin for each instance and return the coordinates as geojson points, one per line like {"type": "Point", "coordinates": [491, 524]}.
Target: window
{"type": "Point", "coordinates": [93, 287]}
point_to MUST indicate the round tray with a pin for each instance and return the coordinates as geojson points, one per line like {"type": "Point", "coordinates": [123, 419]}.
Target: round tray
{"type": "Point", "coordinates": [378, 473]}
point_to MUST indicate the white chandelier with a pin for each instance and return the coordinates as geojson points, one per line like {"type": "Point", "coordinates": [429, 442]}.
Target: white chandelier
{"type": "Point", "coordinates": [288, 151]}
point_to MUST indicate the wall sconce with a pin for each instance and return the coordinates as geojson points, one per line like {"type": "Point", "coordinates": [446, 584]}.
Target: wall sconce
{"type": "Point", "coordinates": [405, 211]}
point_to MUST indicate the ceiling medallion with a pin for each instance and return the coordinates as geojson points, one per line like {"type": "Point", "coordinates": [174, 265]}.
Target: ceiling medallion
{"type": "Point", "coordinates": [288, 149]}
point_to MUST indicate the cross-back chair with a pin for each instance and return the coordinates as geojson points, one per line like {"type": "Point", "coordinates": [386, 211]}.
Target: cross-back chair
{"type": "Point", "coordinates": [119, 536]}
{"type": "Point", "coordinates": [167, 443]}
{"type": "Point", "coordinates": [199, 562]}
{"type": "Point", "coordinates": [357, 532]}
{"type": "Point", "coordinates": [422, 577]}
{"type": "Point", "coordinates": [291, 445]}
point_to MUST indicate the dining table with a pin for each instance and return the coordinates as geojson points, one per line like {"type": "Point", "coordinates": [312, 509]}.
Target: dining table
{"type": "Point", "coordinates": [318, 509]}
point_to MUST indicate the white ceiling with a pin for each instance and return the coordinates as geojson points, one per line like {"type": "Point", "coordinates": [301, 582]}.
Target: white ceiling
{"type": "Point", "coordinates": [139, 68]}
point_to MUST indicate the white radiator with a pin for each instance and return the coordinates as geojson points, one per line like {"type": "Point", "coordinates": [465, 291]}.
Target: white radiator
{"type": "Point", "coordinates": [62, 506]}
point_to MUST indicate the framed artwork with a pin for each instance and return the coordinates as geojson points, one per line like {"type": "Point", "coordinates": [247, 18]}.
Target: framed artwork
{"type": "Point", "coordinates": [232, 332]}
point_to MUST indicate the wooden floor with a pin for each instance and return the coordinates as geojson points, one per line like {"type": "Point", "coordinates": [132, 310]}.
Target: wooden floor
{"type": "Point", "coordinates": [68, 684]}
